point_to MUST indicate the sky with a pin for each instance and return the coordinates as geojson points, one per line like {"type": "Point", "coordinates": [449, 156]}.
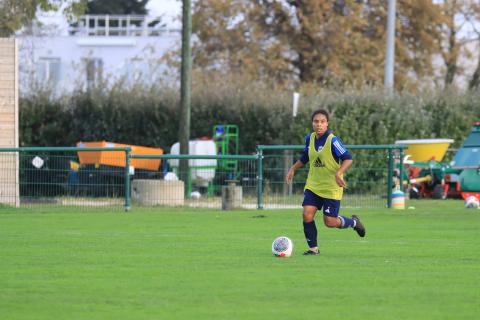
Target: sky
{"type": "Point", "coordinates": [170, 10]}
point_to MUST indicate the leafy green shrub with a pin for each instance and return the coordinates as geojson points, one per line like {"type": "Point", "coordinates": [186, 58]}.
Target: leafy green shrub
{"type": "Point", "coordinates": [149, 116]}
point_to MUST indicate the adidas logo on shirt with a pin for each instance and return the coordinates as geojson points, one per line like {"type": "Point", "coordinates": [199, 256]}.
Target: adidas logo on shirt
{"type": "Point", "coordinates": [318, 163]}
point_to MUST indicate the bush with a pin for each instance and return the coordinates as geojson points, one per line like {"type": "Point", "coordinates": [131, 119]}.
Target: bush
{"type": "Point", "coordinates": [149, 116]}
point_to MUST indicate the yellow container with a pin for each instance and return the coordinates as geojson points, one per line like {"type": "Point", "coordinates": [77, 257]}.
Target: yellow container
{"type": "Point", "coordinates": [426, 149]}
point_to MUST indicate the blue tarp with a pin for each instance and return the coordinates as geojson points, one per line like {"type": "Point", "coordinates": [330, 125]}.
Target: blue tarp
{"type": "Point", "coordinates": [468, 156]}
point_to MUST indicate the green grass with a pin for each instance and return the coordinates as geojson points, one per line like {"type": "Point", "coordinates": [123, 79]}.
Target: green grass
{"type": "Point", "coordinates": [58, 263]}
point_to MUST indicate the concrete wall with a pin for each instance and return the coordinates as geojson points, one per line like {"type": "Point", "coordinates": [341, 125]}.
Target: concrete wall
{"type": "Point", "coordinates": [9, 180]}
{"type": "Point", "coordinates": [121, 57]}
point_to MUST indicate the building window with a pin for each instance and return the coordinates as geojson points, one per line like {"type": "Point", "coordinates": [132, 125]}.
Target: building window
{"type": "Point", "coordinates": [48, 71]}
{"type": "Point", "coordinates": [136, 70]}
{"type": "Point", "coordinates": [94, 71]}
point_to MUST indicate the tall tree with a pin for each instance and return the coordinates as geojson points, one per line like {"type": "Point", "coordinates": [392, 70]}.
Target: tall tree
{"type": "Point", "coordinates": [15, 14]}
{"type": "Point", "coordinates": [120, 7]}
{"type": "Point", "coordinates": [416, 44]}
{"type": "Point", "coordinates": [474, 17]}
{"type": "Point", "coordinates": [314, 41]}
{"type": "Point", "coordinates": [452, 36]}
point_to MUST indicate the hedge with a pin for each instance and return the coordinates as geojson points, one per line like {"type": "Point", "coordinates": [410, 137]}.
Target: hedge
{"type": "Point", "coordinates": [149, 116]}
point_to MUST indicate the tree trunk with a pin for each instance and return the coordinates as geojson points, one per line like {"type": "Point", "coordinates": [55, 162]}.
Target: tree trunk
{"type": "Point", "coordinates": [451, 63]}
{"type": "Point", "coordinates": [475, 80]}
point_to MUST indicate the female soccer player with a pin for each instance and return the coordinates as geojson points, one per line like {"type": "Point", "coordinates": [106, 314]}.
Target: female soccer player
{"type": "Point", "coordinates": [329, 160]}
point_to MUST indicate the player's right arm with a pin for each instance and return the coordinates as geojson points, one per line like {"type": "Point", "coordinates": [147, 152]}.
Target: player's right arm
{"type": "Point", "coordinates": [291, 172]}
{"type": "Point", "coordinates": [300, 163]}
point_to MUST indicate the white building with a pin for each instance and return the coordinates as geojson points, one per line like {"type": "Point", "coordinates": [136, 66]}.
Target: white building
{"type": "Point", "coordinates": [99, 48]}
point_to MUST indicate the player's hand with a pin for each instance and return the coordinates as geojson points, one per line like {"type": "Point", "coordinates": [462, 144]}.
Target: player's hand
{"type": "Point", "coordinates": [289, 176]}
{"type": "Point", "coordinates": [340, 181]}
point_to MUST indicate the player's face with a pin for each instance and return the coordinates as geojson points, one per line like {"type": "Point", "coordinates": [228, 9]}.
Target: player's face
{"type": "Point", "coordinates": [320, 124]}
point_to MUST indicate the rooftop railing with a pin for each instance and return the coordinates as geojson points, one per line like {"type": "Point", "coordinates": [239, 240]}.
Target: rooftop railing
{"type": "Point", "coordinates": [119, 25]}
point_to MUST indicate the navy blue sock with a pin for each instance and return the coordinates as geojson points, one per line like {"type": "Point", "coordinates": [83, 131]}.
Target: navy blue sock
{"type": "Point", "coordinates": [346, 222]}
{"type": "Point", "coordinates": [310, 231]}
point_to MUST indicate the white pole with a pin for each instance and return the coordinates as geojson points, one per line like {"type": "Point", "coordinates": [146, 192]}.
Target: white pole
{"type": "Point", "coordinates": [390, 56]}
{"type": "Point", "coordinates": [296, 96]}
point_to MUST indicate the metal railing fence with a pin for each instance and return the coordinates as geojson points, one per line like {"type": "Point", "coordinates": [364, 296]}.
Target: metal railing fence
{"type": "Point", "coordinates": [208, 178]}
{"type": "Point", "coordinates": [55, 176]}
{"type": "Point", "coordinates": [369, 179]}
{"type": "Point", "coordinates": [86, 177]}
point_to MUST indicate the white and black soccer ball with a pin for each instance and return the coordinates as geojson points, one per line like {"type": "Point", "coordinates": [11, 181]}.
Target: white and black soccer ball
{"type": "Point", "coordinates": [472, 202]}
{"type": "Point", "coordinates": [282, 247]}
{"type": "Point", "coordinates": [195, 195]}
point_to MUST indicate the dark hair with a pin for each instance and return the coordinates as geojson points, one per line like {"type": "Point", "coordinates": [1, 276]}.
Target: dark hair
{"type": "Point", "coordinates": [320, 111]}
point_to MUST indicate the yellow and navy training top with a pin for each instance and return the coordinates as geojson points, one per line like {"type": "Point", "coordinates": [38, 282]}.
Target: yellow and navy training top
{"type": "Point", "coordinates": [324, 155]}
{"type": "Point", "coordinates": [339, 152]}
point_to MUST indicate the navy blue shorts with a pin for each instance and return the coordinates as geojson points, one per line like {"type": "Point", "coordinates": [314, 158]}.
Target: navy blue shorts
{"type": "Point", "coordinates": [330, 207]}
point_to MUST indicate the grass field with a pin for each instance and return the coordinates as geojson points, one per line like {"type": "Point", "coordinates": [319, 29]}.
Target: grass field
{"type": "Point", "coordinates": [58, 263]}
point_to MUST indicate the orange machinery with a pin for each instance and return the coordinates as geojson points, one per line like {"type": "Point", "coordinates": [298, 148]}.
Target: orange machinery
{"type": "Point", "coordinates": [117, 158]}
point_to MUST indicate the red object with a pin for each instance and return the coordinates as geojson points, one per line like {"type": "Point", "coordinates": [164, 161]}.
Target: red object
{"type": "Point", "coordinates": [465, 195]}
{"type": "Point", "coordinates": [203, 138]}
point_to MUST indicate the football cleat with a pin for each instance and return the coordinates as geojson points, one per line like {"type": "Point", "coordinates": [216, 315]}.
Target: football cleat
{"type": "Point", "coordinates": [358, 226]}
{"type": "Point", "coordinates": [311, 252]}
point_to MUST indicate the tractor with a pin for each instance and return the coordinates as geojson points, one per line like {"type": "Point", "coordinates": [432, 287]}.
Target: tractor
{"type": "Point", "coordinates": [426, 176]}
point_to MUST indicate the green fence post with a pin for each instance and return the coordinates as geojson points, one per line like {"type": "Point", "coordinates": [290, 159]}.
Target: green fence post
{"type": "Point", "coordinates": [127, 181]}
{"type": "Point", "coordinates": [260, 178]}
{"type": "Point", "coordinates": [389, 177]}
{"type": "Point", "coordinates": [401, 169]}
{"type": "Point", "coordinates": [189, 182]}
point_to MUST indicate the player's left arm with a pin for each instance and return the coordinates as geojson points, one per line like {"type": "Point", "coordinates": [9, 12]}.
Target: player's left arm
{"type": "Point", "coordinates": [341, 171]}
{"type": "Point", "coordinates": [346, 160]}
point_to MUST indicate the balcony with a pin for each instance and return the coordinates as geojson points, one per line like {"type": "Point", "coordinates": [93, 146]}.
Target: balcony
{"type": "Point", "coordinates": [119, 25]}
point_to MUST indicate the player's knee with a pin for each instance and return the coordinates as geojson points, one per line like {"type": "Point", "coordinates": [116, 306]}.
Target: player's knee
{"type": "Point", "coordinates": [308, 217]}
{"type": "Point", "coordinates": [331, 222]}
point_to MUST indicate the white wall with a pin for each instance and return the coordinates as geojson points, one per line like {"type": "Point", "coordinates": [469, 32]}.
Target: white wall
{"type": "Point", "coordinates": [120, 55]}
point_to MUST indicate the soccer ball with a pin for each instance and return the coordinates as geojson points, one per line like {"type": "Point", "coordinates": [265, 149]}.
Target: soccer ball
{"type": "Point", "coordinates": [195, 195]}
{"type": "Point", "coordinates": [472, 202]}
{"type": "Point", "coordinates": [282, 247]}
